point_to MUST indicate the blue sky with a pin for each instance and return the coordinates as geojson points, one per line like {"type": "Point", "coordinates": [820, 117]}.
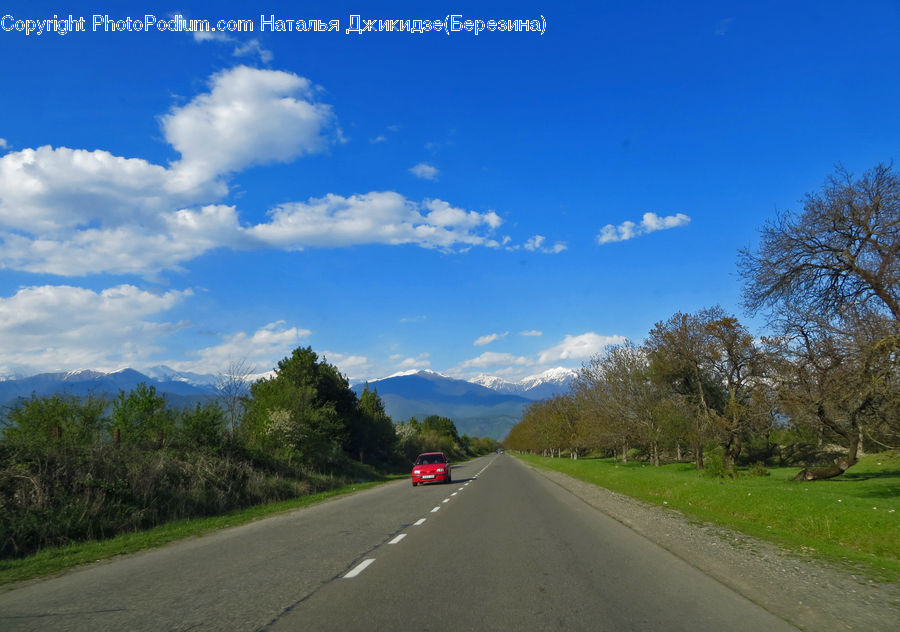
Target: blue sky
{"type": "Point", "coordinates": [498, 203]}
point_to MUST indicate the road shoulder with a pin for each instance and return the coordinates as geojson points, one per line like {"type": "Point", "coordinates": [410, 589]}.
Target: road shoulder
{"type": "Point", "coordinates": [809, 593]}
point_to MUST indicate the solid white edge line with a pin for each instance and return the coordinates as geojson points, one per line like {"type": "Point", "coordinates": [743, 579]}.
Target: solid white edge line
{"type": "Point", "coordinates": [359, 568]}
{"type": "Point", "coordinates": [435, 509]}
{"type": "Point", "coordinates": [397, 539]}
{"type": "Point", "coordinates": [418, 522]}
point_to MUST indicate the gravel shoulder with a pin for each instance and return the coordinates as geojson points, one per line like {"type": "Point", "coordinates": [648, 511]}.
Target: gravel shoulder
{"type": "Point", "coordinates": [810, 594]}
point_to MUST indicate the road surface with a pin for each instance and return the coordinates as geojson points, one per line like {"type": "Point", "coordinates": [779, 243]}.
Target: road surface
{"type": "Point", "coordinates": [501, 548]}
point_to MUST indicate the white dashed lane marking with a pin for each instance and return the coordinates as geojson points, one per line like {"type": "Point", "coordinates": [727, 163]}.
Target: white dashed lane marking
{"type": "Point", "coordinates": [359, 568]}
{"type": "Point", "coordinates": [397, 539]}
{"type": "Point", "coordinates": [436, 509]}
{"type": "Point", "coordinates": [418, 522]}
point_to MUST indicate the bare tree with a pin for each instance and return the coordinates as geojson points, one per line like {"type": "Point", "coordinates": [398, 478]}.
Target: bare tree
{"type": "Point", "coordinates": [840, 255]}
{"type": "Point", "coordinates": [234, 386]}
{"type": "Point", "coordinates": [831, 276]}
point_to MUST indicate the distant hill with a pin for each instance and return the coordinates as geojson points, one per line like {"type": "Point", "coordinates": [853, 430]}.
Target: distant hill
{"type": "Point", "coordinates": [179, 392]}
{"type": "Point", "coordinates": [484, 407]}
{"type": "Point", "coordinates": [475, 409]}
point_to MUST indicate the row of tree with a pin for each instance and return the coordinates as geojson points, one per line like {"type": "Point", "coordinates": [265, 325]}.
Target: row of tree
{"type": "Point", "coordinates": [84, 468]}
{"type": "Point", "coordinates": [827, 373]}
{"type": "Point", "coordinates": [305, 412]}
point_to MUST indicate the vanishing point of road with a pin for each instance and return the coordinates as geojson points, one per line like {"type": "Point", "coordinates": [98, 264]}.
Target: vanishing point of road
{"type": "Point", "coordinates": [501, 548]}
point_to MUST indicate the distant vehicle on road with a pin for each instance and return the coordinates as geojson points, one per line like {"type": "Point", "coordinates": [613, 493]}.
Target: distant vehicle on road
{"type": "Point", "coordinates": [431, 467]}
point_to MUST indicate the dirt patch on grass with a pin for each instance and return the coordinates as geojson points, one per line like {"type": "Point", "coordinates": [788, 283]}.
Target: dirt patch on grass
{"type": "Point", "coordinates": [811, 594]}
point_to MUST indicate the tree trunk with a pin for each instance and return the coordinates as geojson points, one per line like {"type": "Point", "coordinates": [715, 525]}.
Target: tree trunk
{"type": "Point", "coordinates": [624, 453]}
{"type": "Point", "coordinates": [840, 466]}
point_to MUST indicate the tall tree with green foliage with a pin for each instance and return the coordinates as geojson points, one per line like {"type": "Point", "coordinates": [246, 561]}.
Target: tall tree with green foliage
{"type": "Point", "coordinates": [57, 420]}
{"type": "Point", "coordinates": [682, 356]}
{"type": "Point", "coordinates": [371, 431]}
{"type": "Point", "coordinates": [141, 415]}
{"type": "Point", "coordinates": [302, 410]}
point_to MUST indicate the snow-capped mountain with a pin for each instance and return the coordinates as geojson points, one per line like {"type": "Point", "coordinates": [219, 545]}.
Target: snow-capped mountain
{"type": "Point", "coordinates": [541, 386]}
{"type": "Point", "coordinates": [476, 410]}
{"type": "Point", "coordinates": [163, 373]}
{"type": "Point", "coordinates": [86, 382]}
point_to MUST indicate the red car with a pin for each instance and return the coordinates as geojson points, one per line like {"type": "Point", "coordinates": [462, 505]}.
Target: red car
{"type": "Point", "coordinates": [431, 467]}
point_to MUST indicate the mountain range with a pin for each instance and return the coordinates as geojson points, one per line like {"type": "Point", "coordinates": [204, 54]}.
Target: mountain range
{"type": "Point", "coordinates": [486, 406]}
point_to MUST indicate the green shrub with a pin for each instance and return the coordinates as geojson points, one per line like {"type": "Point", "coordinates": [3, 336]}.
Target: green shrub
{"type": "Point", "coordinates": [714, 465]}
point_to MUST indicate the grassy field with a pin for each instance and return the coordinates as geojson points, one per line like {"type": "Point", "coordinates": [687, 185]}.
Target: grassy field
{"type": "Point", "coordinates": [853, 520]}
{"type": "Point", "coordinates": [51, 561]}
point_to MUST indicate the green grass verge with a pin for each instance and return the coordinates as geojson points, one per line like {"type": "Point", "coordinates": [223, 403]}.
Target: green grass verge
{"type": "Point", "coordinates": [52, 561]}
{"type": "Point", "coordinates": [853, 520]}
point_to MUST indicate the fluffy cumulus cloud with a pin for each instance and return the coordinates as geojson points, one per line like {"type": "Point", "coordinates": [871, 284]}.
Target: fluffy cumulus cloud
{"type": "Point", "coordinates": [421, 361]}
{"type": "Point", "coordinates": [651, 222]}
{"type": "Point", "coordinates": [250, 48]}
{"type": "Point", "coordinates": [571, 351]}
{"type": "Point", "coordinates": [261, 349]}
{"type": "Point", "coordinates": [424, 171]}
{"type": "Point", "coordinates": [535, 244]}
{"type": "Point", "coordinates": [489, 338]}
{"type": "Point", "coordinates": [354, 367]}
{"type": "Point", "coordinates": [74, 212]}
{"type": "Point", "coordinates": [578, 348]}
{"type": "Point", "coordinates": [379, 217]}
{"type": "Point", "coordinates": [50, 328]}
{"type": "Point", "coordinates": [493, 359]}
{"type": "Point", "coordinates": [249, 117]}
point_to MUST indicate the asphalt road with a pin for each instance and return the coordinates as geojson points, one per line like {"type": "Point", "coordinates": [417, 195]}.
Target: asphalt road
{"type": "Point", "coordinates": [501, 548]}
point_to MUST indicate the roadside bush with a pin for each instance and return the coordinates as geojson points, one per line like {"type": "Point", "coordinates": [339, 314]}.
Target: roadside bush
{"type": "Point", "coordinates": [714, 465]}
{"type": "Point", "coordinates": [758, 469]}
{"type": "Point", "coordinates": [50, 498]}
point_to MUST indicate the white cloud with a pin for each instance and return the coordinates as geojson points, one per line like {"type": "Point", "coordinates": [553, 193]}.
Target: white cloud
{"type": "Point", "coordinates": [421, 361]}
{"type": "Point", "coordinates": [383, 217]}
{"type": "Point", "coordinates": [51, 328]}
{"type": "Point", "coordinates": [484, 340]}
{"type": "Point", "coordinates": [74, 212]}
{"type": "Point", "coordinates": [536, 243]}
{"type": "Point", "coordinates": [424, 171]}
{"type": "Point", "coordinates": [3, 143]}
{"type": "Point", "coordinates": [261, 349]}
{"type": "Point", "coordinates": [242, 49]}
{"type": "Point", "coordinates": [651, 222]}
{"type": "Point", "coordinates": [252, 47]}
{"type": "Point", "coordinates": [492, 359]}
{"type": "Point", "coordinates": [577, 348]}
{"type": "Point", "coordinates": [352, 366]}
{"type": "Point", "coordinates": [49, 190]}
{"type": "Point", "coordinates": [249, 117]}
{"type": "Point", "coordinates": [531, 332]}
